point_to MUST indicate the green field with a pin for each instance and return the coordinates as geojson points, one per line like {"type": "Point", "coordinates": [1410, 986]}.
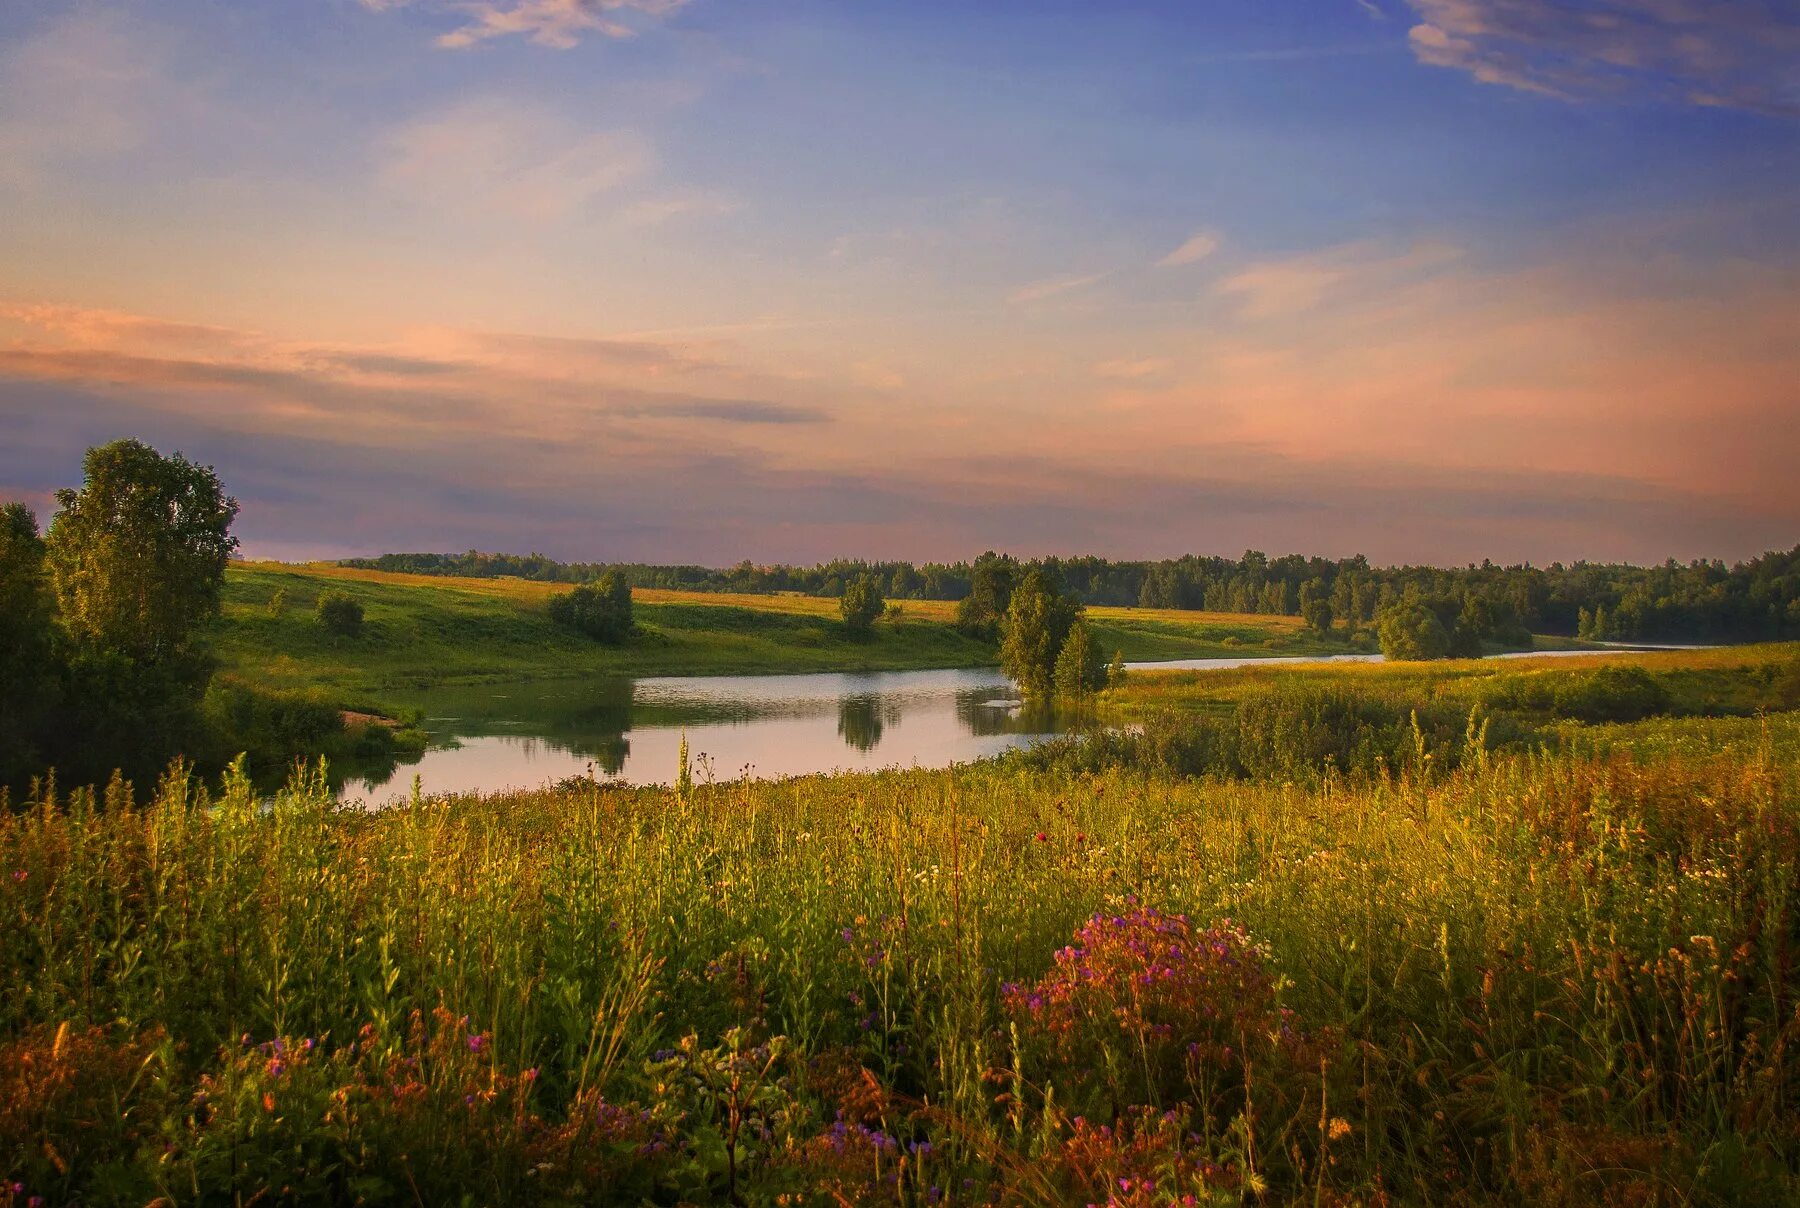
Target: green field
{"type": "Point", "coordinates": [423, 631]}
{"type": "Point", "coordinates": [1552, 967]}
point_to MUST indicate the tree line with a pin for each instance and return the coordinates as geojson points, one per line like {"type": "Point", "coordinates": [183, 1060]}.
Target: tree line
{"type": "Point", "coordinates": [1702, 600]}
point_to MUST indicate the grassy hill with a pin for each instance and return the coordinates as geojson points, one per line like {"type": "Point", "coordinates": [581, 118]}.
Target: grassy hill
{"type": "Point", "coordinates": [421, 631]}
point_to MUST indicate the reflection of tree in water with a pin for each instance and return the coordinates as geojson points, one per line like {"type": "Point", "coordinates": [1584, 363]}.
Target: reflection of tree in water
{"type": "Point", "coordinates": [863, 719]}
{"type": "Point", "coordinates": [982, 717]}
{"type": "Point", "coordinates": [609, 752]}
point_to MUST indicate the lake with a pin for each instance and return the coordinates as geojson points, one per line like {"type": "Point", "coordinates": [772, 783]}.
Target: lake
{"type": "Point", "coordinates": [488, 738]}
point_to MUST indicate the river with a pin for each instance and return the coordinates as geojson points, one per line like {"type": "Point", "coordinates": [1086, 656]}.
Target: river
{"type": "Point", "coordinates": [490, 738]}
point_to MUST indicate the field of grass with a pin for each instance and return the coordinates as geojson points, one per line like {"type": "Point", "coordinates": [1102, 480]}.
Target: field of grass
{"type": "Point", "coordinates": [1514, 978]}
{"type": "Point", "coordinates": [1726, 679]}
{"type": "Point", "coordinates": [422, 631]}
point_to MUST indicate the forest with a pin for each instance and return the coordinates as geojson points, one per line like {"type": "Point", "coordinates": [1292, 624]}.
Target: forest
{"type": "Point", "coordinates": [1697, 601]}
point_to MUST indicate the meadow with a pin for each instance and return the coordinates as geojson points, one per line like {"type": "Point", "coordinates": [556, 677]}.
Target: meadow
{"type": "Point", "coordinates": [1551, 968]}
{"type": "Point", "coordinates": [423, 631]}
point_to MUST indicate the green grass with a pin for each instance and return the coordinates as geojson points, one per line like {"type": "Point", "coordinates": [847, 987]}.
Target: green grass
{"type": "Point", "coordinates": [423, 631]}
{"type": "Point", "coordinates": [1725, 680]}
{"type": "Point", "coordinates": [1548, 979]}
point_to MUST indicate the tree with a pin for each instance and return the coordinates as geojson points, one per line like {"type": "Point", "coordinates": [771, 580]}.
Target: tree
{"type": "Point", "coordinates": [601, 610]}
{"type": "Point", "coordinates": [28, 652]}
{"type": "Point", "coordinates": [1411, 632]}
{"type": "Point", "coordinates": [1037, 622]}
{"type": "Point", "coordinates": [136, 561]}
{"type": "Point", "coordinates": [137, 557]}
{"type": "Point", "coordinates": [861, 603]}
{"type": "Point", "coordinates": [1317, 614]}
{"type": "Point", "coordinates": [1080, 666]}
{"type": "Point", "coordinates": [980, 613]}
{"type": "Point", "coordinates": [340, 613]}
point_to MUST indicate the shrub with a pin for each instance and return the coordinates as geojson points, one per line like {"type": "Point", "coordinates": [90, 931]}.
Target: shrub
{"type": "Point", "coordinates": [1412, 633]}
{"type": "Point", "coordinates": [860, 604]}
{"type": "Point", "coordinates": [601, 610]}
{"type": "Point", "coordinates": [340, 613]}
{"type": "Point", "coordinates": [1611, 694]}
{"type": "Point", "coordinates": [1605, 694]}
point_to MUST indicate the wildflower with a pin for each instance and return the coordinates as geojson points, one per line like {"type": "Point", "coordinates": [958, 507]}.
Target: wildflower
{"type": "Point", "coordinates": [529, 1075]}
{"type": "Point", "coordinates": [19, 876]}
{"type": "Point", "coordinates": [1340, 1128]}
{"type": "Point", "coordinates": [477, 1042]}
{"type": "Point", "coordinates": [1042, 837]}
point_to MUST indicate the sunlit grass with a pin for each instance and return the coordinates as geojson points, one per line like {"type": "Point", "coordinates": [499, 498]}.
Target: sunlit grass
{"type": "Point", "coordinates": [1531, 978]}
{"type": "Point", "coordinates": [425, 630]}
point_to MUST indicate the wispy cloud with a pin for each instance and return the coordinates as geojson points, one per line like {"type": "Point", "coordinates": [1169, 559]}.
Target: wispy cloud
{"type": "Point", "coordinates": [512, 159]}
{"type": "Point", "coordinates": [1275, 288]}
{"type": "Point", "coordinates": [1734, 53]}
{"type": "Point", "coordinates": [559, 24]}
{"type": "Point", "coordinates": [1038, 291]}
{"type": "Point", "coordinates": [1197, 246]}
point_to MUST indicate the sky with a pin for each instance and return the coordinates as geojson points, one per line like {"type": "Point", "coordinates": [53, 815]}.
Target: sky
{"type": "Point", "coordinates": [708, 280]}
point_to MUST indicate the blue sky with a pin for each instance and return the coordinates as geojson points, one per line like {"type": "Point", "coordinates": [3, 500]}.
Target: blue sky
{"type": "Point", "coordinates": [666, 280]}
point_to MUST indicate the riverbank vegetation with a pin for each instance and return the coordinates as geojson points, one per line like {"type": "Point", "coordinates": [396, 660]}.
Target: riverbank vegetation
{"type": "Point", "coordinates": [1555, 971]}
{"type": "Point", "coordinates": [1699, 601]}
{"type": "Point", "coordinates": [104, 658]}
{"type": "Point", "coordinates": [425, 631]}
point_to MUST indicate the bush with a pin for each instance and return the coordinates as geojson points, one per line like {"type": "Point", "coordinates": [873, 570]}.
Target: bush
{"type": "Point", "coordinates": [340, 613]}
{"type": "Point", "coordinates": [1605, 694]}
{"type": "Point", "coordinates": [1285, 735]}
{"type": "Point", "coordinates": [861, 603]}
{"type": "Point", "coordinates": [1413, 633]}
{"type": "Point", "coordinates": [601, 610]}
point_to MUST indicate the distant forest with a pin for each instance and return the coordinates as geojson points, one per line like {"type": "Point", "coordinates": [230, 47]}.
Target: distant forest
{"type": "Point", "coordinates": [1695, 601]}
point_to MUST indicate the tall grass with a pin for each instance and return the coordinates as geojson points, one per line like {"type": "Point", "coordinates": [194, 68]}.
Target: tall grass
{"type": "Point", "coordinates": [1560, 978]}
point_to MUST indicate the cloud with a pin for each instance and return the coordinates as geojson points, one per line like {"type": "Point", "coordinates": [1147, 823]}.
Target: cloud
{"type": "Point", "coordinates": [429, 382]}
{"type": "Point", "coordinates": [512, 159]}
{"type": "Point", "coordinates": [1275, 288]}
{"type": "Point", "coordinates": [1128, 369]}
{"type": "Point", "coordinates": [94, 327]}
{"type": "Point", "coordinates": [1037, 291]}
{"type": "Point", "coordinates": [559, 24]}
{"type": "Point", "coordinates": [654, 211]}
{"type": "Point", "coordinates": [1733, 53]}
{"type": "Point", "coordinates": [1198, 246]}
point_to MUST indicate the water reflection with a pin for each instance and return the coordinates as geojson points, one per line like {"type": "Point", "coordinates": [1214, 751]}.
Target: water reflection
{"type": "Point", "coordinates": [521, 735]}
{"type": "Point", "coordinates": [862, 719]}
{"type": "Point", "coordinates": [488, 738]}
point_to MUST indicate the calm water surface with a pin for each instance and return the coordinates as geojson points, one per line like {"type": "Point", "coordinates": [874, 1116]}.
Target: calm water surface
{"type": "Point", "coordinates": [495, 737]}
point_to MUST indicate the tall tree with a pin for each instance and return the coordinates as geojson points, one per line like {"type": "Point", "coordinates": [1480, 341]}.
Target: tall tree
{"type": "Point", "coordinates": [137, 563]}
{"type": "Point", "coordinates": [1037, 622]}
{"type": "Point", "coordinates": [1080, 665]}
{"type": "Point", "coordinates": [980, 613]}
{"type": "Point", "coordinates": [137, 557]}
